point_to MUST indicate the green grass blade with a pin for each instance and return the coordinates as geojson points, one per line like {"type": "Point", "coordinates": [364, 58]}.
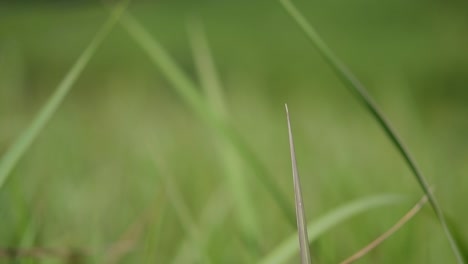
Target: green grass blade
{"type": "Point", "coordinates": [183, 85]}
{"type": "Point", "coordinates": [182, 211]}
{"type": "Point", "coordinates": [458, 236]}
{"type": "Point", "coordinates": [300, 212]}
{"type": "Point", "coordinates": [188, 91]}
{"type": "Point", "coordinates": [24, 141]}
{"type": "Point", "coordinates": [316, 228]}
{"type": "Point", "coordinates": [205, 65]}
{"type": "Point", "coordinates": [232, 162]}
{"type": "Point", "coordinates": [212, 216]}
{"type": "Point", "coordinates": [348, 78]}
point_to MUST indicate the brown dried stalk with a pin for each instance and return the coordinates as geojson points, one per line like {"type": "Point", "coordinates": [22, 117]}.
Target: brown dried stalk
{"type": "Point", "coordinates": [379, 240]}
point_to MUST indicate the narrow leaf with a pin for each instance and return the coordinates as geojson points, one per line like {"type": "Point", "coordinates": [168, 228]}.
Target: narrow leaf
{"type": "Point", "coordinates": [24, 141]}
{"type": "Point", "coordinates": [212, 216]}
{"type": "Point", "coordinates": [182, 210]}
{"type": "Point", "coordinates": [233, 165]}
{"type": "Point", "coordinates": [300, 213]}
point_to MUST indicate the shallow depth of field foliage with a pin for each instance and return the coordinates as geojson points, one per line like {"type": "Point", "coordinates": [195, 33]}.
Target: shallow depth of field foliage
{"type": "Point", "coordinates": [128, 170]}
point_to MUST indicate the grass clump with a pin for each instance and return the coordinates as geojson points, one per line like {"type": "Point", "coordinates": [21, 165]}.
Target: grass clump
{"type": "Point", "coordinates": [350, 81]}
{"type": "Point", "coordinates": [203, 212]}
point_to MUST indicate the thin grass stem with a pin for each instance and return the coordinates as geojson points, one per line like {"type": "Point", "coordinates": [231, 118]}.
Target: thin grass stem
{"type": "Point", "coordinates": [379, 240]}
{"type": "Point", "coordinates": [288, 248]}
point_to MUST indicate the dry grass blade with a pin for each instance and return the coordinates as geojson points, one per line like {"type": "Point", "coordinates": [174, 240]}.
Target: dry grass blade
{"type": "Point", "coordinates": [348, 78]}
{"type": "Point", "coordinates": [408, 216]}
{"type": "Point", "coordinates": [288, 248]}
{"type": "Point", "coordinates": [24, 141]}
{"type": "Point", "coordinates": [300, 213]}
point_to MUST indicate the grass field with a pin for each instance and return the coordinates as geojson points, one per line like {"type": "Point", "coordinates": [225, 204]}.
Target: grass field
{"type": "Point", "coordinates": [128, 170]}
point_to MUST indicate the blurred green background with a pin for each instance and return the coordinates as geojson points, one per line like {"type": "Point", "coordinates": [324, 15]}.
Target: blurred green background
{"type": "Point", "coordinates": [90, 177]}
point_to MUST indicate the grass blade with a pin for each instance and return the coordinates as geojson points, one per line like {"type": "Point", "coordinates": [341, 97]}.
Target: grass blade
{"type": "Point", "coordinates": [300, 212]}
{"type": "Point", "coordinates": [408, 216]}
{"type": "Point", "coordinates": [188, 91]}
{"type": "Point", "coordinates": [182, 210]}
{"type": "Point", "coordinates": [205, 65]}
{"type": "Point", "coordinates": [289, 248]}
{"type": "Point", "coordinates": [232, 162]}
{"type": "Point", "coordinates": [348, 78]}
{"type": "Point", "coordinates": [24, 141]}
{"type": "Point", "coordinates": [212, 216]}
{"type": "Point", "coordinates": [458, 236]}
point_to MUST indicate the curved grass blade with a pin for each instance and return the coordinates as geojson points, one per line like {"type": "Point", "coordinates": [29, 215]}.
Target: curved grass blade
{"type": "Point", "coordinates": [316, 228]}
{"type": "Point", "coordinates": [232, 162]}
{"type": "Point", "coordinates": [348, 78]}
{"type": "Point", "coordinates": [24, 141]}
{"type": "Point", "coordinates": [379, 240]}
{"type": "Point", "coordinates": [188, 91]}
{"type": "Point", "coordinates": [300, 212]}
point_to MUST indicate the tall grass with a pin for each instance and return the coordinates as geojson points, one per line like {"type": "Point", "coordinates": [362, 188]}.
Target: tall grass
{"type": "Point", "coordinates": [188, 90]}
{"type": "Point", "coordinates": [234, 153]}
{"type": "Point", "coordinates": [182, 211]}
{"type": "Point", "coordinates": [351, 81]}
{"type": "Point", "coordinates": [13, 155]}
{"type": "Point", "coordinates": [24, 141]}
{"type": "Point", "coordinates": [233, 165]}
{"type": "Point", "coordinates": [211, 218]}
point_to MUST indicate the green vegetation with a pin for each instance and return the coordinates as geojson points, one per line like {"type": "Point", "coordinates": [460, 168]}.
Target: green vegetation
{"type": "Point", "coordinates": [357, 87]}
{"type": "Point", "coordinates": [188, 161]}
